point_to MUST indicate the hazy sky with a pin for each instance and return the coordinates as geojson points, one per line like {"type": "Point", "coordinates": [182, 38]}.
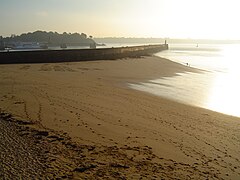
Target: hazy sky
{"type": "Point", "coordinates": [215, 19]}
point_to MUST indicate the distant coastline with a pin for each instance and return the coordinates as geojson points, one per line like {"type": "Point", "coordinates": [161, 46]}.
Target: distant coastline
{"type": "Point", "coordinates": [161, 40]}
{"type": "Point", "coordinates": [46, 39]}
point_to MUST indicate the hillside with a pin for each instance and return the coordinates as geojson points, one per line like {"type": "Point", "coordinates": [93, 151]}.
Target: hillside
{"type": "Point", "coordinates": [50, 38]}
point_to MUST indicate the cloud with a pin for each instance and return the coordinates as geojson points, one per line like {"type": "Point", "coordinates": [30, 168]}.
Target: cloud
{"type": "Point", "coordinates": [42, 13]}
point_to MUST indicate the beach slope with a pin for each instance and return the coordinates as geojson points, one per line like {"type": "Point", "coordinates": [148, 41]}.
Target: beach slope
{"type": "Point", "coordinates": [103, 129]}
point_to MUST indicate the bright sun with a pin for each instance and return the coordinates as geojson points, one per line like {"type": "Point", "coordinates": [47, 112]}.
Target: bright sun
{"type": "Point", "coordinates": [185, 18]}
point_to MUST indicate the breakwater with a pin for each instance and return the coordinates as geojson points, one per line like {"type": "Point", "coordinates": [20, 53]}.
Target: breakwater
{"type": "Point", "coordinates": [74, 55]}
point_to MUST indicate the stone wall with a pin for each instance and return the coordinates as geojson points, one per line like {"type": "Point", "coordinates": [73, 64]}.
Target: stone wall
{"type": "Point", "coordinates": [53, 56]}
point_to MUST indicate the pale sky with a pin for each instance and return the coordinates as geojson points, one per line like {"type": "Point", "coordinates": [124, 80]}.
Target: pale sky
{"type": "Point", "coordinates": [213, 19]}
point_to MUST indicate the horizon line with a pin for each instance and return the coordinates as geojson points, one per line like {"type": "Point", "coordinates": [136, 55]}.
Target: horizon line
{"type": "Point", "coordinates": [132, 37]}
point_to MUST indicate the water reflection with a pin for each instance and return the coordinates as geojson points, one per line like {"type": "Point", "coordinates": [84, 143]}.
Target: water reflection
{"type": "Point", "coordinates": [224, 95]}
{"type": "Point", "coordinates": [225, 89]}
{"type": "Point", "coordinates": [218, 89]}
{"type": "Point", "coordinates": [214, 91]}
{"type": "Point", "coordinates": [189, 88]}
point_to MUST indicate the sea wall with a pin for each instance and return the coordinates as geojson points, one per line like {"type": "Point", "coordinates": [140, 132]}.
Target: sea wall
{"type": "Point", "coordinates": [53, 56]}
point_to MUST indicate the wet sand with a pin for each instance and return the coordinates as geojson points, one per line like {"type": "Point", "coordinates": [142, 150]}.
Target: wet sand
{"type": "Point", "coordinates": [103, 129]}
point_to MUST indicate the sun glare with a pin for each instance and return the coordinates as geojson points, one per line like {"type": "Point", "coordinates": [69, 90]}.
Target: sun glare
{"type": "Point", "coordinates": [222, 88]}
{"type": "Point", "coordinates": [232, 58]}
{"type": "Point", "coordinates": [222, 91]}
{"type": "Point", "coordinates": [186, 19]}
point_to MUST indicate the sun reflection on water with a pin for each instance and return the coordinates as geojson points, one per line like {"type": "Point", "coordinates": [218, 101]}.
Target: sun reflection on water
{"type": "Point", "coordinates": [217, 89]}
{"type": "Point", "coordinates": [224, 95]}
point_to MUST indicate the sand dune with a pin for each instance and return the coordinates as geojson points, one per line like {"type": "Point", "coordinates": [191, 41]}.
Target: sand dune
{"type": "Point", "coordinates": [113, 131]}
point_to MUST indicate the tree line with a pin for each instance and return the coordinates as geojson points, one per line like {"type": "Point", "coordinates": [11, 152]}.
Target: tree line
{"type": "Point", "coordinates": [50, 38]}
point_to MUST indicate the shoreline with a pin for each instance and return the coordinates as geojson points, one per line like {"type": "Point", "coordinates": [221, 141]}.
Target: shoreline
{"type": "Point", "coordinates": [87, 101]}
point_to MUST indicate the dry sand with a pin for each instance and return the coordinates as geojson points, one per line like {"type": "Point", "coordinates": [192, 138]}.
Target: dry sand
{"type": "Point", "coordinates": [89, 124]}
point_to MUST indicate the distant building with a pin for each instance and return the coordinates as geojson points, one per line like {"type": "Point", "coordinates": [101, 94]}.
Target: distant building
{"type": "Point", "coordinates": [93, 45]}
{"type": "Point", "coordinates": [1, 43]}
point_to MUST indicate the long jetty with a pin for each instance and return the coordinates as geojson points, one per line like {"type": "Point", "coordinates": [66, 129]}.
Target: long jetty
{"type": "Point", "coordinates": [74, 55]}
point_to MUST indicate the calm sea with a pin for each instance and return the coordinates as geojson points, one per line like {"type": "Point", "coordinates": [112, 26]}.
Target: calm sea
{"type": "Point", "coordinates": [217, 88]}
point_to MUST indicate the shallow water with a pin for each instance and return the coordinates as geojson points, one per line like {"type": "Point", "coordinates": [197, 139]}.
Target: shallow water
{"type": "Point", "coordinates": [217, 89]}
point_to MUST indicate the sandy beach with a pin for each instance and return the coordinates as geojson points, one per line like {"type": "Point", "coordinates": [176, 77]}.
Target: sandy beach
{"type": "Point", "coordinates": [80, 120]}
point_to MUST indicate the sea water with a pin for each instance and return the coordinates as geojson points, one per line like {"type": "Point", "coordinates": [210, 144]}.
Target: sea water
{"type": "Point", "coordinates": [216, 88]}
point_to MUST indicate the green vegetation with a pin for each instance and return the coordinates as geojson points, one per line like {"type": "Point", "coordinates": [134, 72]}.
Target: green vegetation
{"type": "Point", "coordinates": [51, 38]}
